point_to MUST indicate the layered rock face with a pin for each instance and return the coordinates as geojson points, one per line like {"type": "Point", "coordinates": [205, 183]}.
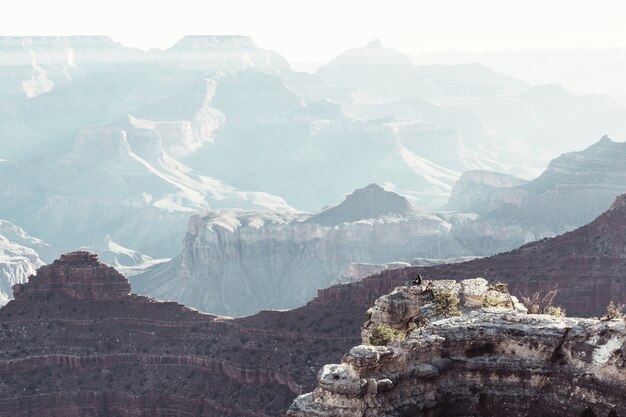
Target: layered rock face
{"type": "Point", "coordinates": [244, 254]}
{"type": "Point", "coordinates": [77, 274]}
{"type": "Point", "coordinates": [75, 342]}
{"type": "Point", "coordinates": [572, 191]}
{"type": "Point", "coordinates": [487, 361]}
{"type": "Point", "coordinates": [233, 261]}
{"type": "Point", "coordinates": [586, 265]}
{"type": "Point", "coordinates": [129, 355]}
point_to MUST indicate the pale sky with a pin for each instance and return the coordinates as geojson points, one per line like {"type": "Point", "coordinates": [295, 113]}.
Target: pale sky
{"type": "Point", "coordinates": [317, 31]}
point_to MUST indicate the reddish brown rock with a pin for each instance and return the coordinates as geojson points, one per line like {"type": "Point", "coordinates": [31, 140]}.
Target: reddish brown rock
{"type": "Point", "coordinates": [75, 342]}
{"type": "Point", "coordinates": [78, 275]}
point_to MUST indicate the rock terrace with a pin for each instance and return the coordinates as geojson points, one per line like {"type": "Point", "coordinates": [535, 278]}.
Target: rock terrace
{"type": "Point", "coordinates": [485, 362]}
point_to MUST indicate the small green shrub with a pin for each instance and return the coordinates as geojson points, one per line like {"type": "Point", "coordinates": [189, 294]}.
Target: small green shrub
{"type": "Point", "coordinates": [555, 311]}
{"type": "Point", "coordinates": [447, 302]}
{"type": "Point", "coordinates": [494, 301]}
{"type": "Point", "coordinates": [382, 334]}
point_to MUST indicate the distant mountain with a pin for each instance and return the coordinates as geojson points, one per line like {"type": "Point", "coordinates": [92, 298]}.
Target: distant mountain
{"type": "Point", "coordinates": [371, 202]}
{"type": "Point", "coordinates": [575, 187]}
{"type": "Point", "coordinates": [102, 140]}
{"type": "Point", "coordinates": [568, 67]}
{"type": "Point", "coordinates": [233, 261]}
{"type": "Point", "coordinates": [230, 53]}
{"type": "Point", "coordinates": [117, 181]}
{"type": "Point", "coordinates": [241, 253]}
{"type": "Point", "coordinates": [387, 73]}
{"type": "Point", "coordinates": [18, 258]}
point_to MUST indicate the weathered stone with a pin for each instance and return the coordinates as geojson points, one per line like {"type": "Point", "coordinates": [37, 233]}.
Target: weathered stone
{"type": "Point", "coordinates": [488, 362]}
{"type": "Point", "coordinates": [78, 275]}
{"type": "Point", "coordinates": [75, 342]}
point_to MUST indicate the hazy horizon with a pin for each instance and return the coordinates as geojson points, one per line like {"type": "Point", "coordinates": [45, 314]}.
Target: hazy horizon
{"type": "Point", "coordinates": [320, 31]}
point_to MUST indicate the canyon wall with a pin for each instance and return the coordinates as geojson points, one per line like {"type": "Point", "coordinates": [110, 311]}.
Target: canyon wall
{"type": "Point", "coordinates": [480, 354]}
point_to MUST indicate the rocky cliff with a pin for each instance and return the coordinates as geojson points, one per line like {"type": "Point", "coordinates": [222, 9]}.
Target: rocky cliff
{"type": "Point", "coordinates": [586, 265]}
{"type": "Point", "coordinates": [234, 255]}
{"type": "Point", "coordinates": [75, 342]}
{"type": "Point", "coordinates": [475, 351]}
{"type": "Point", "coordinates": [233, 261]}
{"type": "Point", "coordinates": [572, 191]}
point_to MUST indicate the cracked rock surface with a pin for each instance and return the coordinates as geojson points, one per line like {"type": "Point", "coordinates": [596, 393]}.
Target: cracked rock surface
{"type": "Point", "coordinates": [496, 361]}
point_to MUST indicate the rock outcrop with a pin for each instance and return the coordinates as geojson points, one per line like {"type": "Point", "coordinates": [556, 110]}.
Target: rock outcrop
{"type": "Point", "coordinates": [472, 351]}
{"type": "Point", "coordinates": [75, 342]}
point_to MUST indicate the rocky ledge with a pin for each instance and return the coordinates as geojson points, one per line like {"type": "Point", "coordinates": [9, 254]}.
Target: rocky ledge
{"type": "Point", "coordinates": [448, 348]}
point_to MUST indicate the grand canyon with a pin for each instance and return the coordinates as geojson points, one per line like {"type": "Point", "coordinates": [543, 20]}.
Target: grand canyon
{"type": "Point", "coordinates": [343, 209]}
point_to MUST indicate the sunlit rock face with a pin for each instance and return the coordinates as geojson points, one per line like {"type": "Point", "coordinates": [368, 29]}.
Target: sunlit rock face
{"type": "Point", "coordinates": [233, 261]}
{"type": "Point", "coordinates": [117, 181]}
{"type": "Point", "coordinates": [573, 190]}
{"type": "Point", "coordinates": [474, 190]}
{"type": "Point", "coordinates": [242, 253]}
{"type": "Point", "coordinates": [486, 361]}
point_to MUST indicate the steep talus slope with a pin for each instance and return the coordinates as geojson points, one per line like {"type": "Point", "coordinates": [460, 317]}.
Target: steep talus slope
{"type": "Point", "coordinates": [233, 261]}
{"type": "Point", "coordinates": [75, 341]}
{"type": "Point", "coordinates": [587, 266]}
{"type": "Point", "coordinates": [486, 361]}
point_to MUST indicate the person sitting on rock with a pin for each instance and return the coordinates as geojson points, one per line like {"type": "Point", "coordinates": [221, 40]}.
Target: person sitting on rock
{"type": "Point", "coordinates": [416, 281]}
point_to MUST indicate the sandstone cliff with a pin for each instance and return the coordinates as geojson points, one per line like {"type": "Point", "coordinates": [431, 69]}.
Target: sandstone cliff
{"type": "Point", "coordinates": [477, 361]}
{"type": "Point", "coordinates": [75, 342]}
